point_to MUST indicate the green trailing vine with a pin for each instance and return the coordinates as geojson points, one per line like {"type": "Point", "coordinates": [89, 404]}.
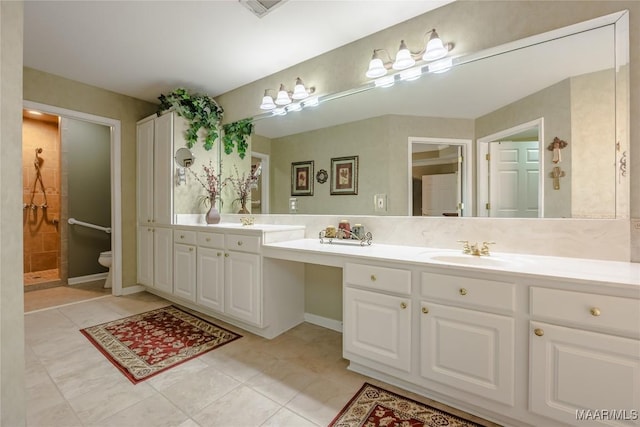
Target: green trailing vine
{"type": "Point", "coordinates": [201, 111]}
{"type": "Point", "coordinates": [236, 134]}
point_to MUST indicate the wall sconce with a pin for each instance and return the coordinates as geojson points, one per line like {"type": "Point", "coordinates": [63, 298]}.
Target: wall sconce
{"type": "Point", "coordinates": [434, 49]}
{"type": "Point", "coordinates": [285, 98]}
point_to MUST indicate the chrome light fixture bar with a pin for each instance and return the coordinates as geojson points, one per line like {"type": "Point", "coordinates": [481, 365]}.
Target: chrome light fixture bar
{"type": "Point", "coordinates": [285, 97]}
{"type": "Point", "coordinates": [434, 49]}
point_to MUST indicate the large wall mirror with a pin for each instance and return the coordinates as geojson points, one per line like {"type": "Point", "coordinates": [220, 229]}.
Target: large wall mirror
{"type": "Point", "coordinates": [508, 104]}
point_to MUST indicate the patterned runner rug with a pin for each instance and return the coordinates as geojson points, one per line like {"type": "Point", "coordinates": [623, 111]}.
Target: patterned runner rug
{"type": "Point", "coordinates": [376, 407]}
{"type": "Point", "coordinates": [146, 344]}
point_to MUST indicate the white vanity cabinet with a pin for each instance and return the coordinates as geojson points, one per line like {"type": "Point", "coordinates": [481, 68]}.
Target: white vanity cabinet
{"type": "Point", "coordinates": [377, 315]}
{"type": "Point", "coordinates": [155, 257]}
{"type": "Point", "coordinates": [584, 354]}
{"type": "Point", "coordinates": [154, 169]}
{"type": "Point", "coordinates": [184, 264]}
{"type": "Point", "coordinates": [463, 342]}
{"type": "Point", "coordinates": [210, 271]}
{"type": "Point", "coordinates": [243, 279]}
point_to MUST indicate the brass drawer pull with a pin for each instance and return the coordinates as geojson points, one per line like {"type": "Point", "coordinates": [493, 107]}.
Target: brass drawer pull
{"type": "Point", "coordinates": [539, 332]}
{"type": "Point", "coordinates": [463, 291]}
{"type": "Point", "coordinates": [190, 249]}
{"type": "Point", "coordinates": [208, 239]}
{"type": "Point", "coordinates": [425, 310]}
{"type": "Point", "coordinates": [182, 236]}
{"type": "Point", "coordinates": [595, 311]}
{"type": "Point", "coordinates": [219, 254]}
{"type": "Point", "coordinates": [373, 278]}
{"type": "Point", "coordinates": [239, 242]}
{"type": "Point", "coordinates": [403, 305]}
{"type": "Point", "coordinates": [226, 255]}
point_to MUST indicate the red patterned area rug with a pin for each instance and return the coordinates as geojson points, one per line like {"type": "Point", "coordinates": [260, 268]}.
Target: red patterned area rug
{"type": "Point", "coordinates": [376, 407]}
{"type": "Point", "coordinates": [146, 344]}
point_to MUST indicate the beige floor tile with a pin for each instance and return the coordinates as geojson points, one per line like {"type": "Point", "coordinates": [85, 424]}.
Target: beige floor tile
{"type": "Point", "coordinates": [286, 418]}
{"type": "Point", "coordinates": [232, 410]}
{"type": "Point", "coordinates": [43, 396]}
{"type": "Point", "coordinates": [237, 362]}
{"type": "Point", "coordinates": [59, 295]}
{"type": "Point", "coordinates": [154, 411]}
{"type": "Point", "coordinates": [60, 415]}
{"type": "Point", "coordinates": [282, 381]}
{"type": "Point", "coordinates": [90, 313]}
{"type": "Point", "coordinates": [166, 379]}
{"type": "Point", "coordinates": [198, 390]}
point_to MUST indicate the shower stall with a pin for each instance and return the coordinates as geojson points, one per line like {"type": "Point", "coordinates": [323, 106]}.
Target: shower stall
{"type": "Point", "coordinates": [66, 175]}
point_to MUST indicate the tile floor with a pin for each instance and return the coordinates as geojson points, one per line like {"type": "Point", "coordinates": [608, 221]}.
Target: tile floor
{"type": "Point", "coordinates": [297, 379]}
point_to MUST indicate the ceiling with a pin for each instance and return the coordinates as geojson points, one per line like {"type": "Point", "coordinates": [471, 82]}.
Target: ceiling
{"type": "Point", "coordinates": [145, 48]}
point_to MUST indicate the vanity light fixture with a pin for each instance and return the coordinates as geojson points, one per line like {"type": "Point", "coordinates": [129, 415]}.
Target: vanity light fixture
{"type": "Point", "coordinates": [441, 66]}
{"type": "Point", "coordinates": [386, 81]}
{"type": "Point", "coordinates": [284, 97]}
{"type": "Point", "coordinates": [295, 106]}
{"type": "Point", "coordinates": [411, 74]}
{"type": "Point", "coordinates": [435, 49]}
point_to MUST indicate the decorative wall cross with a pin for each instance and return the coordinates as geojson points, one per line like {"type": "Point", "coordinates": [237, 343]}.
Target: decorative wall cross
{"type": "Point", "coordinates": [556, 174]}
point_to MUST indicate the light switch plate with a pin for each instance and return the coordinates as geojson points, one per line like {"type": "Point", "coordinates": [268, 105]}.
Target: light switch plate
{"type": "Point", "coordinates": [380, 202]}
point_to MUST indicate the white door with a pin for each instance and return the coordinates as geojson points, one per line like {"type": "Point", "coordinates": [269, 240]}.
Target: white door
{"type": "Point", "coordinates": [145, 256]}
{"type": "Point", "coordinates": [468, 349]}
{"type": "Point", "coordinates": [162, 169]}
{"type": "Point", "coordinates": [210, 278]}
{"type": "Point", "coordinates": [440, 194]}
{"type": "Point", "coordinates": [184, 271]}
{"type": "Point", "coordinates": [378, 327]}
{"type": "Point", "coordinates": [572, 370]}
{"type": "Point", "coordinates": [145, 171]}
{"type": "Point", "coordinates": [163, 259]}
{"type": "Point", "coordinates": [514, 173]}
{"type": "Point", "coordinates": [242, 293]}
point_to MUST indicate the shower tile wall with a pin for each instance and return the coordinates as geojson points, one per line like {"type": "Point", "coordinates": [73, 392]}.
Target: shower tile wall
{"type": "Point", "coordinates": [41, 228]}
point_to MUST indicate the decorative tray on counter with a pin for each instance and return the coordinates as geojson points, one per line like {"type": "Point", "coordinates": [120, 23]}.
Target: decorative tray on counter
{"type": "Point", "coordinates": [346, 237]}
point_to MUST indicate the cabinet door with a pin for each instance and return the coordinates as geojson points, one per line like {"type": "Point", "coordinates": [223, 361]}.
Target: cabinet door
{"type": "Point", "coordinates": [163, 169]}
{"type": "Point", "coordinates": [243, 290]}
{"type": "Point", "coordinates": [378, 327]}
{"type": "Point", "coordinates": [145, 256]}
{"type": "Point", "coordinates": [144, 171]}
{"type": "Point", "coordinates": [184, 271]}
{"type": "Point", "coordinates": [467, 349]}
{"type": "Point", "coordinates": [210, 278]}
{"type": "Point", "coordinates": [572, 370]}
{"type": "Point", "coordinates": [163, 259]}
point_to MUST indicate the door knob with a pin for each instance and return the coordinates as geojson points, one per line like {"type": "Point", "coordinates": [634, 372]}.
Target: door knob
{"type": "Point", "coordinates": [539, 332]}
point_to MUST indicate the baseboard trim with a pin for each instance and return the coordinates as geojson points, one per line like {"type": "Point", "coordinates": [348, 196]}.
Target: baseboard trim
{"type": "Point", "coordinates": [84, 279]}
{"type": "Point", "coordinates": [132, 290]}
{"type": "Point", "coordinates": [325, 322]}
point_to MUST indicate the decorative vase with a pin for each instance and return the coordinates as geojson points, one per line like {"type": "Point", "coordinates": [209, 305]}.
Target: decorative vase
{"type": "Point", "coordinates": [243, 207]}
{"type": "Point", "coordinates": [212, 216]}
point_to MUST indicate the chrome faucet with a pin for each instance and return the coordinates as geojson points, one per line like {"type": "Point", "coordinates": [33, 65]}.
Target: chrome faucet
{"type": "Point", "coordinates": [474, 249]}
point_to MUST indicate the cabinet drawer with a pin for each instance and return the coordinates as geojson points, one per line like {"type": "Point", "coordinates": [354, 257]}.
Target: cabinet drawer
{"type": "Point", "coordinates": [183, 236]}
{"type": "Point", "coordinates": [468, 291]}
{"type": "Point", "coordinates": [242, 243]}
{"type": "Point", "coordinates": [590, 310]}
{"type": "Point", "coordinates": [211, 240]}
{"type": "Point", "coordinates": [379, 278]}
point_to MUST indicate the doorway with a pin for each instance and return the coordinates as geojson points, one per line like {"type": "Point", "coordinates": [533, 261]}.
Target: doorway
{"type": "Point", "coordinates": [510, 172]}
{"type": "Point", "coordinates": [439, 172]}
{"type": "Point", "coordinates": [66, 118]}
{"type": "Point", "coordinates": [260, 193]}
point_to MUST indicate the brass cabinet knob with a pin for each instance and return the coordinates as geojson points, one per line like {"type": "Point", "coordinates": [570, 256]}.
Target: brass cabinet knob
{"type": "Point", "coordinates": [239, 242]}
{"type": "Point", "coordinates": [226, 255]}
{"type": "Point", "coordinates": [148, 229]}
{"type": "Point", "coordinates": [403, 305]}
{"type": "Point", "coordinates": [595, 311]}
{"type": "Point", "coordinates": [219, 254]}
{"type": "Point", "coordinates": [182, 236]}
{"type": "Point", "coordinates": [190, 249]}
{"type": "Point", "coordinates": [373, 278]}
{"type": "Point", "coordinates": [463, 291]}
{"type": "Point", "coordinates": [208, 239]}
{"type": "Point", "coordinates": [425, 310]}
{"type": "Point", "coordinates": [539, 332]}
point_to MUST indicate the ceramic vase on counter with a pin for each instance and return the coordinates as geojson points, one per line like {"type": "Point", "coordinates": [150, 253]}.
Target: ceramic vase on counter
{"type": "Point", "coordinates": [212, 216]}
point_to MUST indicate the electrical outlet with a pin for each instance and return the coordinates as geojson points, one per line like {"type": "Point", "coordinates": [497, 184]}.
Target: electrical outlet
{"type": "Point", "coordinates": [380, 202]}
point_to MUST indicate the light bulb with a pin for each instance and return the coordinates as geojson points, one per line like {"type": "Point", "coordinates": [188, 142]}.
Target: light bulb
{"type": "Point", "coordinates": [435, 48]}
{"type": "Point", "coordinates": [267, 102]}
{"type": "Point", "coordinates": [403, 58]}
{"type": "Point", "coordinates": [376, 67]}
{"type": "Point", "coordinates": [283, 96]}
{"type": "Point", "coordinates": [299, 91]}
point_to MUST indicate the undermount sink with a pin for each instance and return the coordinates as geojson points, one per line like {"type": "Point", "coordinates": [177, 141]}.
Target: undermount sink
{"type": "Point", "coordinates": [472, 260]}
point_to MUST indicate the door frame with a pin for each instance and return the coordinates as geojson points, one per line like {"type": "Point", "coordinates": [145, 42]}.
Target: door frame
{"type": "Point", "coordinates": [116, 179]}
{"type": "Point", "coordinates": [483, 164]}
{"type": "Point", "coordinates": [467, 182]}
{"type": "Point", "coordinates": [264, 201]}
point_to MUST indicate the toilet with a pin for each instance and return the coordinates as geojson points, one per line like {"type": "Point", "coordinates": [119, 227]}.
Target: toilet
{"type": "Point", "coordinates": [105, 261]}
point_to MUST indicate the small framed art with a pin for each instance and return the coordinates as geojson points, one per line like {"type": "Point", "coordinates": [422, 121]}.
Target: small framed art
{"type": "Point", "coordinates": [302, 178]}
{"type": "Point", "coordinates": [344, 175]}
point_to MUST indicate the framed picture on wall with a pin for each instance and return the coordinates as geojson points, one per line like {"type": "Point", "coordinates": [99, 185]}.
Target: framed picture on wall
{"type": "Point", "coordinates": [302, 178]}
{"type": "Point", "coordinates": [344, 175]}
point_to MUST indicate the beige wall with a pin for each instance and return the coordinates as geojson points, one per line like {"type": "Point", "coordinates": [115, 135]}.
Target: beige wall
{"type": "Point", "coordinates": [12, 391]}
{"type": "Point", "coordinates": [56, 91]}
